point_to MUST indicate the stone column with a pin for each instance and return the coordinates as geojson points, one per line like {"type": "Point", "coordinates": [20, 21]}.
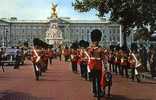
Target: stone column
{"type": "Point", "coordinates": [121, 36]}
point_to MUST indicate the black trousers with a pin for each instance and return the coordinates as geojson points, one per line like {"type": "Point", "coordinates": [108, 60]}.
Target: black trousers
{"type": "Point", "coordinates": [37, 71]}
{"type": "Point", "coordinates": [113, 67]}
{"type": "Point", "coordinates": [83, 68]}
{"type": "Point", "coordinates": [116, 68]}
{"type": "Point", "coordinates": [46, 64]}
{"type": "Point", "coordinates": [96, 75]}
{"type": "Point", "coordinates": [50, 60]}
{"type": "Point", "coordinates": [134, 75]}
{"type": "Point", "coordinates": [110, 66]}
{"type": "Point", "coordinates": [153, 69]}
{"type": "Point", "coordinates": [120, 68]}
{"type": "Point", "coordinates": [17, 64]}
{"type": "Point", "coordinates": [126, 71]}
{"type": "Point", "coordinates": [74, 67]}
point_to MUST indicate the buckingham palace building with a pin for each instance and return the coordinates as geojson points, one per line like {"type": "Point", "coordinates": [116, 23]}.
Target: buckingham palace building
{"type": "Point", "coordinates": [14, 31]}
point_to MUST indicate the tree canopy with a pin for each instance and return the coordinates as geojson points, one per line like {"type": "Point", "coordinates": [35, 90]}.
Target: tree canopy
{"type": "Point", "coordinates": [129, 13]}
{"type": "Point", "coordinates": [39, 43]}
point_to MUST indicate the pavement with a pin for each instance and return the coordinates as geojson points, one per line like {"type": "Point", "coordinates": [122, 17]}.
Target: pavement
{"type": "Point", "coordinates": [59, 83]}
{"type": "Point", "coordinates": [147, 75]}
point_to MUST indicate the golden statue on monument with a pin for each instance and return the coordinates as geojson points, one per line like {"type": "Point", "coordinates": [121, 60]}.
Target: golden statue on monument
{"type": "Point", "coordinates": [54, 12]}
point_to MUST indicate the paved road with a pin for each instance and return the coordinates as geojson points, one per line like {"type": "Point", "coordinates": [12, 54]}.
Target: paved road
{"type": "Point", "coordinates": [59, 83]}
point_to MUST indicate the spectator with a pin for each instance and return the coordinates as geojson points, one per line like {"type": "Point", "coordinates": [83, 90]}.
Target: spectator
{"type": "Point", "coordinates": [144, 57]}
{"type": "Point", "coordinates": [152, 61]}
{"type": "Point", "coordinates": [17, 60]}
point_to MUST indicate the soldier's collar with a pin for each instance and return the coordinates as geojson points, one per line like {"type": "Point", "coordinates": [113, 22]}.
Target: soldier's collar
{"type": "Point", "coordinates": [95, 47]}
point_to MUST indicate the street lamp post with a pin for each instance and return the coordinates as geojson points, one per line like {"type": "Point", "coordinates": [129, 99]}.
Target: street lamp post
{"type": "Point", "coordinates": [121, 36]}
{"type": "Point", "coordinates": [3, 36]}
{"type": "Point", "coordinates": [6, 37]}
{"type": "Point", "coordinates": [67, 33]}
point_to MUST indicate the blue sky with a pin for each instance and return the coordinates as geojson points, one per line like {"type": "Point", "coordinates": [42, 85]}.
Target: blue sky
{"type": "Point", "coordinates": [40, 9]}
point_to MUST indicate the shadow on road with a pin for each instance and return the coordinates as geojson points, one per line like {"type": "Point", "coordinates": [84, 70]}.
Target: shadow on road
{"type": "Point", "coordinates": [119, 97]}
{"type": "Point", "coordinates": [148, 83]}
{"type": "Point", "coordinates": [55, 80]}
{"type": "Point", "coordinates": [3, 77]}
{"type": "Point", "coordinates": [11, 95]}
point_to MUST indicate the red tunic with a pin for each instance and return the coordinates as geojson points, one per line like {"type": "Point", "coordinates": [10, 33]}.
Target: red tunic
{"type": "Point", "coordinates": [66, 52]}
{"type": "Point", "coordinates": [45, 56]}
{"type": "Point", "coordinates": [50, 53]}
{"type": "Point", "coordinates": [131, 62]}
{"type": "Point", "coordinates": [74, 57]}
{"type": "Point", "coordinates": [96, 57]}
{"type": "Point", "coordinates": [82, 57]}
{"type": "Point", "coordinates": [95, 62]}
{"type": "Point", "coordinates": [124, 61]}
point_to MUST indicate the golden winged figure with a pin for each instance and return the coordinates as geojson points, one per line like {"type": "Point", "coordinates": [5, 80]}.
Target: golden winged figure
{"type": "Point", "coordinates": [54, 12]}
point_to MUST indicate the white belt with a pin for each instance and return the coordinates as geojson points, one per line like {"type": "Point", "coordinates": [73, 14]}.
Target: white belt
{"type": "Point", "coordinates": [95, 58]}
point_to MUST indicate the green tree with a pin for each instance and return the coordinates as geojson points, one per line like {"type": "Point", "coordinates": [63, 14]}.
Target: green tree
{"type": "Point", "coordinates": [129, 13]}
{"type": "Point", "coordinates": [142, 34]}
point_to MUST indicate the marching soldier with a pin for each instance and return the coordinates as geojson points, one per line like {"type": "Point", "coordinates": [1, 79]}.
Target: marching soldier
{"type": "Point", "coordinates": [95, 62]}
{"type": "Point", "coordinates": [119, 67]}
{"type": "Point", "coordinates": [45, 59]}
{"type": "Point", "coordinates": [60, 52]}
{"type": "Point", "coordinates": [110, 56]}
{"type": "Point", "coordinates": [134, 64]}
{"type": "Point", "coordinates": [83, 58]}
{"type": "Point", "coordinates": [18, 60]}
{"type": "Point", "coordinates": [74, 57]}
{"type": "Point", "coordinates": [116, 61]}
{"type": "Point", "coordinates": [36, 64]}
{"type": "Point", "coordinates": [51, 54]}
{"type": "Point", "coordinates": [113, 61]}
{"type": "Point", "coordinates": [66, 53]}
{"type": "Point", "coordinates": [152, 61]}
{"type": "Point", "coordinates": [124, 63]}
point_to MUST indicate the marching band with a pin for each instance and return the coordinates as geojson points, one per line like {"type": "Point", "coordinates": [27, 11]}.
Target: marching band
{"type": "Point", "coordinates": [96, 64]}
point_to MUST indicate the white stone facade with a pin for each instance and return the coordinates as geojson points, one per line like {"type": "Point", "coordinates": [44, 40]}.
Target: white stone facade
{"type": "Point", "coordinates": [54, 34]}
{"type": "Point", "coordinates": [13, 32]}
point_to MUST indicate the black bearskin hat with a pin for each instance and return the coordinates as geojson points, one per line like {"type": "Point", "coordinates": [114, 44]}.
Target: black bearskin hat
{"type": "Point", "coordinates": [75, 45]}
{"type": "Point", "coordinates": [112, 47]}
{"type": "Point", "coordinates": [96, 35]}
{"type": "Point", "coordinates": [39, 43]}
{"type": "Point", "coordinates": [83, 43]}
{"type": "Point", "coordinates": [117, 47]}
{"type": "Point", "coordinates": [86, 44]}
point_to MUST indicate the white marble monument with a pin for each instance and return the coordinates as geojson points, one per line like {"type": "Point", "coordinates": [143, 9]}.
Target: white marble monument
{"type": "Point", "coordinates": [54, 33]}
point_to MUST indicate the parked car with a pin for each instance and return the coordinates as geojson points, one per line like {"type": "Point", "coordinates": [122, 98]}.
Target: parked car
{"type": "Point", "coordinates": [9, 55]}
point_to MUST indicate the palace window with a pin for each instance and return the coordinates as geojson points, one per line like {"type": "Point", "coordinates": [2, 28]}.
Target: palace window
{"type": "Point", "coordinates": [88, 31]}
{"type": "Point", "coordinates": [118, 31]}
{"type": "Point", "coordinates": [114, 39]}
{"type": "Point", "coordinates": [110, 31]}
{"type": "Point", "coordinates": [110, 38]}
{"type": "Point", "coordinates": [118, 39]}
{"type": "Point", "coordinates": [103, 31]}
{"type": "Point", "coordinates": [82, 30]}
{"type": "Point", "coordinates": [77, 30]}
